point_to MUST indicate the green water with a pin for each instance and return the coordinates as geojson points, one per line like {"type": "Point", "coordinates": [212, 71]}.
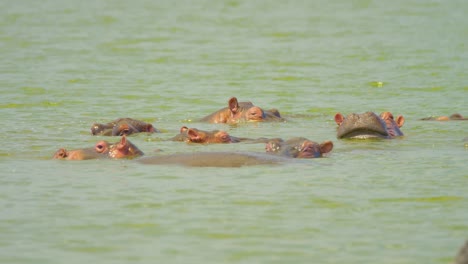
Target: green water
{"type": "Point", "coordinates": [67, 64]}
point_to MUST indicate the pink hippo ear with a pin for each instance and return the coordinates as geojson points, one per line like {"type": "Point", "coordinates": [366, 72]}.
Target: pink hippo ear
{"type": "Point", "coordinates": [386, 116]}
{"type": "Point", "coordinates": [233, 105]}
{"type": "Point", "coordinates": [326, 146]}
{"type": "Point", "coordinates": [193, 135]}
{"type": "Point", "coordinates": [339, 118]}
{"type": "Point", "coordinates": [400, 120]}
{"type": "Point", "coordinates": [122, 143]}
{"type": "Point", "coordinates": [183, 129]}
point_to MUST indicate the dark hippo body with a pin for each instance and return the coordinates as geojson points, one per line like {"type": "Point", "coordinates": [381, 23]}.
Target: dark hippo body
{"type": "Point", "coordinates": [237, 112]}
{"type": "Point", "coordinates": [122, 126]}
{"type": "Point", "coordinates": [298, 148]}
{"type": "Point", "coordinates": [368, 125]}
{"type": "Point", "coordinates": [462, 256]}
{"type": "Point", "coordinates": [194, 135]}
{"type": "Point", "coordinates": [102, 150]}
{"type": "Point", "coordinates": [214, 159]}
{"type": "Point", "coordinates": [455, 116]}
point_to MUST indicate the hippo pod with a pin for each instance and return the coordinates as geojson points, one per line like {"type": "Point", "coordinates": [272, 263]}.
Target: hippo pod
{"type": "Point", "coordinates": [122, 126]}
{"type": "Point", "coordinates": [369, 125]}
{"type": "Point", "coordinates": [286, 150]}
{"type": "Point", "coordinates": [237, 112]}
{"type": "Point", "coordinates": [102, 150]}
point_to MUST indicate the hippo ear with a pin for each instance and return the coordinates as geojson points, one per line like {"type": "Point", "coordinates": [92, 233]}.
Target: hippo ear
{"type": "Point", "coordinates": [123, 141]}
{"type": "Point", "coordinates": [233, 105]}
{"type": "Point", "coordinates": [326, 146]}
{"type": "Point", "coordinates": [193, 135]}
{"type": "Point", "coordinates": [339, 118]}
{"type": "Point", "coordinates": [386, 115]}
{"type": "Point", "coordinates": [61, 154]}
{"type": "Point", "coordinates": [183, 129]}
{"type": "Point", "coordinates": [149, 128]}
{"type": "Point", "coordinates": [400, 120]}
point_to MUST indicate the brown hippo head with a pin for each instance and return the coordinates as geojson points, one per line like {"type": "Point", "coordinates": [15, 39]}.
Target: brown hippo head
{"type": "Point", "coordinates": [298, 148]}
{"type": "Point", "coordinates": [122, 149]}
{"type": "Point", "coordinates": [362, 126]}
{"type": "Point", "coordinates": [193, 135]}
{"type": "Point", "coordinates": [100, 150]}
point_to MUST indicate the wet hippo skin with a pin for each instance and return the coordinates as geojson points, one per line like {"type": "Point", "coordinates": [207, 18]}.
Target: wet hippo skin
{"type": "Point", "coordinates": [213, 159]}
{"type": "Point", "coordinates": [102, 150]}
{"type": "Point", "coordinates": [462, 256]}
{"type": "Point", "coordinates": [455, 116]}
{"type": "Point", "coordinates": [237, 112]}
{"type": "Point", "coordinates": [298, 147]}
{"type": "Point", "coordinates": [368, 125]}
{"type": "Point", "coordinates": [194, 135]}
{"type": "Point", "coordinates": [122, 126]}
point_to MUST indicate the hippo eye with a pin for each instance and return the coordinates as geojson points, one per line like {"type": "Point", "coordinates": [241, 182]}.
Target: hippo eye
{"type": "Point", "coordinates": [124, 132]}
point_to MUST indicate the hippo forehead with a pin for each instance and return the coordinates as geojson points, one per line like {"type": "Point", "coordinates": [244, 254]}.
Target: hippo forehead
{"type": "Point", "coordinates": [366, 125]}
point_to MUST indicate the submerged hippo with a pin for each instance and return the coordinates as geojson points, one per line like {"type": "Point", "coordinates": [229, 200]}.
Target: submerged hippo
{"type": "Point", "coordinates": [369, 125]}
{"type": "Point", "coordinates": [286, 150]}
{"type": "Point", "coordinates": [298, 147]}
{"type": "Point", "coordinates": [462, 256]}
{"type": "Point", "coordinates": [455, 116]}
{"type": "Point", "coordinates": [103, 149]}
{"type": "Point", "coordinates": [237, 112]}
{"type": "Point", "coordinates": [193, 135]}
{"type": "Point", "coordinates": [122, 126]}
{"type": "Point", "coordinates": [214, 159]}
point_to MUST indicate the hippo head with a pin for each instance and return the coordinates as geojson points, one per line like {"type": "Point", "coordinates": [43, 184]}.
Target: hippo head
{"type": "Point", "coordinates": [361, 126]}
{"type": "Point", "coordinates": [100, 150]}
{"type": "Point", "coordinates": [298, 148]}
{"type": "Point", "coordinates": [124, 149]}
{"type": "Point", "coordinates": [124, 129]}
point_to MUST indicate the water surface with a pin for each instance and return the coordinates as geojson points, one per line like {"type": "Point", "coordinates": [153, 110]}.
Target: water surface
{"type": "Point", "coordinates": [68, 64]}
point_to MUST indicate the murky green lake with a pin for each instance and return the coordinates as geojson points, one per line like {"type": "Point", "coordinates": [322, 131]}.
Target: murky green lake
{"type": "Point", "coordinates": [67, 64]}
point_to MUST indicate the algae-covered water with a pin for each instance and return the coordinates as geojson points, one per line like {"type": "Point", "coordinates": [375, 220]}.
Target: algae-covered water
{"type": "Point", "coordinates": [67, 64]}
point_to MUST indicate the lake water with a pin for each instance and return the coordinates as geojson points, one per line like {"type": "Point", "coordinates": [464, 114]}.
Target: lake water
{"type": "Point", "coordinates": [68, 64]}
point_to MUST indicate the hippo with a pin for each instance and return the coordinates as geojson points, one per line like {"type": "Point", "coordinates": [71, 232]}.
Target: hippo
{"type": "Point", "coordinates": [102, 150]}
{"type": "Point", "coordinates": [393, 126]}
{"type": "Point", "coordinates": [122, 126]}
{"type": "Point", "coordinates": [298, 147]}
{"type": "Point", "coordinates": [237, 112]}
{"type": "Point", "coordinates": [462, 256]}
{"type": "Point", "coordinates": [455, 116]}
{"type": "Point", "coordinates": [368, 125]}
{"type": "Point", "coordinates": [214, 159]}
{"type": "Point", "coordinates": [194, 135]}
{"type": "Point", "coordinates": [285, 150]}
